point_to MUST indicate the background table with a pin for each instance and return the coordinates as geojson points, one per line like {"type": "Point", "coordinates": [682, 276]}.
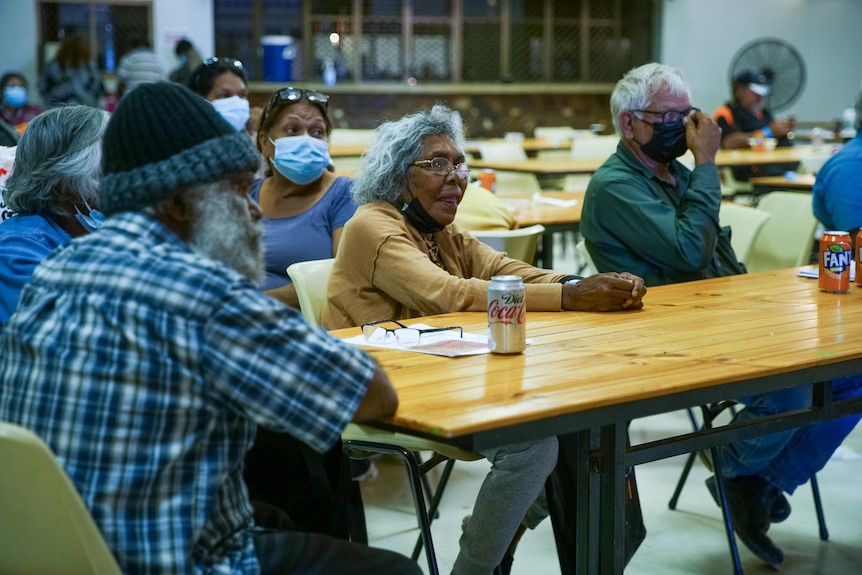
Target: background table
{"type": "Point", "coordinates": [554, 218]}
{"type": "Point", "coordinates": [765, 184]}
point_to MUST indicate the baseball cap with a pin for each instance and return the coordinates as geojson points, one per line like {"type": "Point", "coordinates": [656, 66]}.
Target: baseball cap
{"type": "Point", "coordinates": [755, 82]}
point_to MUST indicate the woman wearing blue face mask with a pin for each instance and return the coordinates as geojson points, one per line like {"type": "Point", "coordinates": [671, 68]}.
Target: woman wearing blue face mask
{"type": "Point", "coordinates": [14, 109]}
{"type": "Point", "coordinates": [305, 205]}
{"type": "Point", "coordinates": [222, 82]}
{"type": "Point", "coordinates": [53, 189]}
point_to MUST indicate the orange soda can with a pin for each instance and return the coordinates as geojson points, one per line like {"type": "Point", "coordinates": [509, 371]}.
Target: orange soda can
{"type": "Point", "coordinates": [488, 180]}
{"type": "Point", "coordinates": [858, 257]}
{"type": "Point", "coordinates": [836, 257]}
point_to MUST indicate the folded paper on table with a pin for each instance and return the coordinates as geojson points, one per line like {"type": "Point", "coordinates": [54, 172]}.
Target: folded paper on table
{"type": "Point", "coordinates": [814, 272]}
{"type": "Point", "coordinates": [540, 199]}
{"type": "Point", "coordinates": [447, 343]}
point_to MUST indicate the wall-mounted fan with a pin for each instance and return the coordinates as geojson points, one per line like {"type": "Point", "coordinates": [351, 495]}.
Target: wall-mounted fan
{"type": "Point", "coordinates": [779, 62]}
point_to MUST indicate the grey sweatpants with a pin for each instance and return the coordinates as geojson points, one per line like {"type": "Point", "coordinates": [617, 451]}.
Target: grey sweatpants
{"type": "Point", "coordinates": [517, 476]}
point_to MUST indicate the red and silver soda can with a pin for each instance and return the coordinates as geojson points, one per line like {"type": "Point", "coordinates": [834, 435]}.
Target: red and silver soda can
{"type": "Point", "coordinates": [836, 257]}
{"type": "Point", "coordinates": [507, 315]}
{"type": "Point", "coordinates": [859, 257]}
{"type": "Point", "coordinates": [488, 180]}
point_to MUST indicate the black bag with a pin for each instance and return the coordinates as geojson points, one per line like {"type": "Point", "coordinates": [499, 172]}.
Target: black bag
{"type": "Point", "coordinates": [561, 490]}
{"type": "Point", "coordinates": [311, 492]}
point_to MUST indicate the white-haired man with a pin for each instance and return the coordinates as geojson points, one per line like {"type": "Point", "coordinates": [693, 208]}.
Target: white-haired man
{"type": "Point", "coordinates": [159, 356]}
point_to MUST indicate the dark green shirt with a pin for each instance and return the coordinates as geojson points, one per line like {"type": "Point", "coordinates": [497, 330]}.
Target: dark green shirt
{"type": "Point", "coordinates": [633, 221]}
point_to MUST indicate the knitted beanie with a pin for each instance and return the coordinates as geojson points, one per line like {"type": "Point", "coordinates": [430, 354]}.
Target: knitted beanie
{"type": "Point", "coordinates": [161, 137]}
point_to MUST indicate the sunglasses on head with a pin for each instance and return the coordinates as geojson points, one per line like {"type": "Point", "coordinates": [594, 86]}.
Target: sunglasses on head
{"type": "Point", "coordinates": [291, 94]}
{"type": "Point", "coordinates": [229, 63]}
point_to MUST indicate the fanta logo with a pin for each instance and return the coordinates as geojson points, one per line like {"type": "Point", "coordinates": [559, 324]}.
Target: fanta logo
{"type": "Point", "coordinates": [836, 258]}
{"type": "Point", "coordinates": [507, 314]}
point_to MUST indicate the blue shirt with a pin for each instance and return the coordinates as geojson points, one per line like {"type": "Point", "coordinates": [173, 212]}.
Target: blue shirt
{"type": "Point", "coordinates": [837, 196]}
{"type": "Point", "coordinates": [24, 242]}
{"type": "Point", "coordinates": [306, 236]}
{"type": "Point", "coordinates": [147, 367]}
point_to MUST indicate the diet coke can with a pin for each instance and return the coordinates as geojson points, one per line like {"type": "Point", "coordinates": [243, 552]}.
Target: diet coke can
{"type": "Point", "coordinates": [507, 315]}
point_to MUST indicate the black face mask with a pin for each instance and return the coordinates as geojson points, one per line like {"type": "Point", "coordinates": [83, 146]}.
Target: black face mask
{"type": "Point", "coordinates": [667, 142]}
{"type": "Point", "coordinates": [420, 218]}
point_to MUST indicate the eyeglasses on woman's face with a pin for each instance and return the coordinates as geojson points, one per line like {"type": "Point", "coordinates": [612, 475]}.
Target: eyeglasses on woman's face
{"type": "Point", "coordinates": [291, 94]}
{"type": "Point", "coordinates": [443, 167]}
{"type": "Point", "coordinates": [383, 331]}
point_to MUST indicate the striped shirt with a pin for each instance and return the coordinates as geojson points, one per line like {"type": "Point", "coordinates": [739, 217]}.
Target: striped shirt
{"type": "Point", "coordinates": [147, 367]}
{"type": "Point", "coordinates": [138, 67]}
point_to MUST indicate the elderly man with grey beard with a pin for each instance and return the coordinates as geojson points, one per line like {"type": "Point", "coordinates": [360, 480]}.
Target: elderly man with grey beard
{"type": "Point", "coordinates": [146, 357]}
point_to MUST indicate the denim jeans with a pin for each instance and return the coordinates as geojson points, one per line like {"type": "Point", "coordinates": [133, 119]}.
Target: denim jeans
{"type": "Point", "coordinates": [788, 459]}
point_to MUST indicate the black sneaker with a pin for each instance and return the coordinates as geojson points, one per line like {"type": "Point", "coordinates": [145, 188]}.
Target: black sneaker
{"type": "Point", "coordinates": [749, 499]}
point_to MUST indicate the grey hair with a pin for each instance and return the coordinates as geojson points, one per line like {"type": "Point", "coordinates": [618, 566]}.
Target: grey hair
{"type": "Point", "coordinates": [58, 161]}
{"type": "Point", "coordinates": [639, 86]}
{"type": "Point", "coordinates": [397, 144]}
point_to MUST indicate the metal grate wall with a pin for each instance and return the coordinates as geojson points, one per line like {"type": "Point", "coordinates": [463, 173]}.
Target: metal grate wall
{"type": "Point", "coordinates": [444, 40]}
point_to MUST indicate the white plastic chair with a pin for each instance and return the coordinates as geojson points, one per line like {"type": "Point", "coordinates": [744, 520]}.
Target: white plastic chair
{"type": "Point", "coordinates": [310, 280]}
{"type": "Point", "coordinates": [787, 238]}
{"type": "Point", "coordinates": [746, 224]}
{"type": "Point", "coordinates": [44, 524]}
{"type": "Point", "coordinates": [350, 136]}
{"type": "Point", "coordinates": [510, 182]}
{"type": "Point", "coordinates": [520, 244]}
{"type": "Point", "coordinates": [588, 267]}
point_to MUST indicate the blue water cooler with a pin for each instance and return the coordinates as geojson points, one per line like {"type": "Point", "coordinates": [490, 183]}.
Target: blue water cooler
{"type": "Point", "coordinates": [278, 55]}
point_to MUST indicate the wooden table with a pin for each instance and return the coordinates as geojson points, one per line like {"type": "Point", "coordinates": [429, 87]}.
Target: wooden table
{"type": "Point", "coordinates": [530, 145]}
{"type": "Point", "coordinates": [554, 218]}
{"type": "Point", "coordinates": [748, 157]}
{"type": "Point", "coordinates": [347, 150]}
{"type": "Point", "coordinates": [565, 166]}
{"type": "Point", "coordinates": [765, 184]}
{"type": "Point", "coordinates": [543, 166]}
{"type": "Point", "coordinates": [591, 373]}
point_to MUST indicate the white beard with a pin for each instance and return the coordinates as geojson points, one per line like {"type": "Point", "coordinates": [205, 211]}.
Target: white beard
{"type": "Point", "coordinates": [224, 230]}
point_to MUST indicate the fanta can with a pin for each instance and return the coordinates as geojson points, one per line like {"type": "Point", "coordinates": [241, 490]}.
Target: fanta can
{"type": "Point", "coordinates": [836, 257]}
{"type": "Point", "coordinates": [488, 180]}
{"type": "Point", "coordinates": [858, 257]}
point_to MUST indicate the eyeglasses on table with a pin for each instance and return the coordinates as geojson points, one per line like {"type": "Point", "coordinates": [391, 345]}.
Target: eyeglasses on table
{"type": "Point", "coordinates": [383, 331]}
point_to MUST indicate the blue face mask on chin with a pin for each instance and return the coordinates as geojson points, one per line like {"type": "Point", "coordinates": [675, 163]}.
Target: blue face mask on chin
{"type": "Point", "coordinates": [300, 159]}
{"type": "Point", "coordinates": [91, 221]}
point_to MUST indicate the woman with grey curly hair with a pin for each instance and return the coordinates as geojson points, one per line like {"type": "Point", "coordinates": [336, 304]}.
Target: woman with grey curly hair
{"type": "Point", "coordinates": [401, 257]}
{"type": "Point", "coordinates": [53, 189]}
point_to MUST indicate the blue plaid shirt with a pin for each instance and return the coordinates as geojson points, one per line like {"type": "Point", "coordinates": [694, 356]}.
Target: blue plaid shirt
{"type": "Point", "coordinates": [147, 368]}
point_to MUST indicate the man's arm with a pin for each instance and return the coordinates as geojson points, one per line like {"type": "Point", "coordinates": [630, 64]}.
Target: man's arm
{"type": "Point", "coordinates": [379, 401]}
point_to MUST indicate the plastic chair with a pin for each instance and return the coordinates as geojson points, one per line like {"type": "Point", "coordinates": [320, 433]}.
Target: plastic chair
{"type": "Point", "coordinates": [46, 527]}
{"type": "Point", "coordinates": [310, 279]}
{"type": "Point", "coordinates": [588, 267]}
{"type": "Point", "coordinates": [520, 244]}
{"type": "Point", "coordinates": [510, 182]}
{"type": "Point", "coordinates": [8, 135]}
{"type": "Point", "coordinates": [710, 413]}
{"type": "Point", "coordinates": [787, 238]}
{"type": "Point", "coordinates": [350, 136]}
{"type": "Point", "coordinates": [731, 187]}
{"type": "Point", "coordinates": [746, 224]}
